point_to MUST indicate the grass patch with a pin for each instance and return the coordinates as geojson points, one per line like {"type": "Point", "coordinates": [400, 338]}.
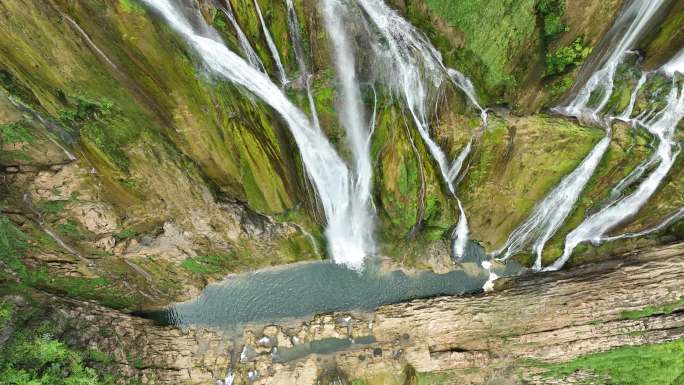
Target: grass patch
{"type": "Point", "coordinates": [6, 312]}
{"type": "Point", "coordinates": [69, 229]}
{"type": "Point", "coordinates": [652, 310]}
{"type": "Point", "coordinates": [209, 264]}
{"type": "Point", "coordinates": [660, 364]}
{"type": "Point", "coordinates": [124, 234]}
{"type": "Point", "coordinates": [17, 132]}
{"type": "Point", "coordinates": [99, 289]}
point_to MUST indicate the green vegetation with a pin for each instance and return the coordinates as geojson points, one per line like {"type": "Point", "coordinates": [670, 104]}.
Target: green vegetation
{"type": "Point", "coordinates": [17, 132]}
{"type": "Point", "coordinates": [6, 312]}
{"type": "Point", "coordinates": [550, 13]}
{"type": "Point", "coordinates": [93, 120]}
{"type": "Point", "coordinates": [125, 234]}
{"type": "Point", "coordinates": [15, 243]}
{"type": "Point", "coordinates": [209, 264]}
{"type": "Point", "coordinates": [47, 207]}
{"type": "Point", "coordinates": [653, 310]}
{"type": "Point", "coordinates": [661, 364]}
{"type": "Point", "coordinates": [70, 229]}
{"type": "Point", "coordinates": [561, 85]}
{"type": "Point", "coordinates": [220, 22]}
{"type": "Point", "coordinates": [130, 6]}
{"type": "Point", "coordinates": [487, 52]}
{"type": "Point", "coordinates": [33, 356]}
{"type": "Point", "coordinates": [567, 57]}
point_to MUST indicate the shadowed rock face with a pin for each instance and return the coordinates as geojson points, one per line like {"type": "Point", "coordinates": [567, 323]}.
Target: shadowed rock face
{"type": "Point", "coordinates": [546, 317]}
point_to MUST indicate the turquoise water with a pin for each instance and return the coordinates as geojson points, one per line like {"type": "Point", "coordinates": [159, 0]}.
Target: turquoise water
{"type": "Point", "coordinates": [300, 291]}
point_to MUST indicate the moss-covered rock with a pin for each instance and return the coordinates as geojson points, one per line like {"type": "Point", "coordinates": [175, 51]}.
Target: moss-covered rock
{"type": "Point", "coordinates": [515, 164]}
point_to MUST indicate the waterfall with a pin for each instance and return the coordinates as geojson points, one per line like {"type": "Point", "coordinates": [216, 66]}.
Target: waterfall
{"type": "Point", "coordinates": [293, 25]}
{"type": "Point", "coordinates": [413, 68]}
{"type": "Point", "coordinates": [247, 49]}
{"type": "Point", "coordinates": [636, 17]}
{"type": "Point", "coordinates": [674, 217]}
{"type": "Point", "coordinates": [348, 237]}
{"type": "Point", "coordinates": [271, 45]}
{"type": "Point", "coordinates": [662, 126]}
{"type": "Point", "coordinates": [352, 114]}
{"type": "Point", "coordinates": [550, 214]}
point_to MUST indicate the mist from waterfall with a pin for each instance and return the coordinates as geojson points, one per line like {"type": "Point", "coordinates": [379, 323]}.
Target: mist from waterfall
{"type": "Point", "coordinates": [348, 239]}
{"type": "Point", "coordinates": [549, 215]}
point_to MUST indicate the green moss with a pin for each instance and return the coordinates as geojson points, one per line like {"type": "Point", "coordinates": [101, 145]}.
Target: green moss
{"type": "Point", "coordinates": [653, 310]}
{"type": "Point", "coordinates": [560, 86]}
{"type": "Point", "coordinates": [659, 364]}
{"type": "Point", "coordinates": [513, 166]}
{"type": "Point", "coordinates": [130, 6]}
{"type": "Point", "coordinates": [70, 229]}
{"type": "Point", "coordinates": [99, 289]}
{"type": "Point", "coordinates": [100, 124]}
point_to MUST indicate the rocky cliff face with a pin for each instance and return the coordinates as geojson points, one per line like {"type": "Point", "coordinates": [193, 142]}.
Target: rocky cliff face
{"type": "Point", "coordinates": [119, 143]}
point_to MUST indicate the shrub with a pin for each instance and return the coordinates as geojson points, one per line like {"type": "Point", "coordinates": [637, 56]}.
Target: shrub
{"type": "Point", "coordinates": [565, 57]}
{"type": "Point", "coordinates": [550, 12]}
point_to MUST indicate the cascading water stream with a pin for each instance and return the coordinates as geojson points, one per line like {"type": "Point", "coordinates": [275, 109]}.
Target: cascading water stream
{"type": "Point", "coordinates": [637, 15]}
{"type": "Point", "coordinates": [550, 214]}
{"type": "Point", "coordinates": [349, 240]}
{"type": "Point", "coordinates": [247, 49]}
{"type": "Point", "coordinates": [352, 114]}
{"type": "Point", "coordinates": [293, 25]}
{"type": "Point", "coordinates": [412, 67]}
{"type": "Point", "coordinates": [271, 45]}
{"type": "Point", "coordinates": [662, 126]}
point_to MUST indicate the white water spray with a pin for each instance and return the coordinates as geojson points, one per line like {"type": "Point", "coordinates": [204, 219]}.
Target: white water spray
{"type": "Point", "coordinates": [349, 239]}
